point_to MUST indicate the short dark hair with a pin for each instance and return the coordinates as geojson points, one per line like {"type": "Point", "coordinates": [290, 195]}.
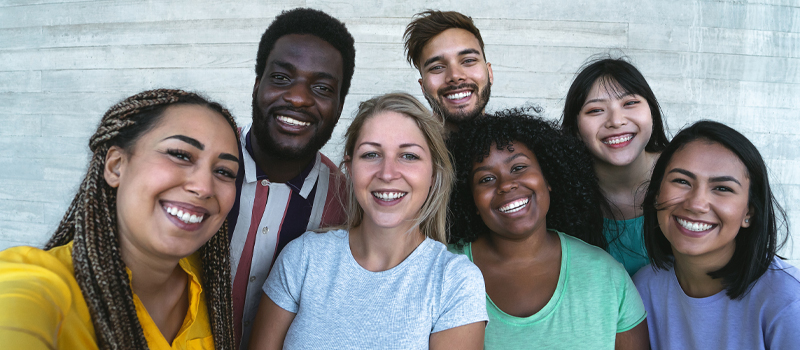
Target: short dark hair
{"type": "Point", "coordinates": [618, 77]}
{"type": "Point", "coordinates": [429, 24]}
{"type": "Point", "coordinates": [314, 22]}
{"type": "Point", "coordinates": [575, 196]}
{"type": "Point", "coordinates": [756, 245]}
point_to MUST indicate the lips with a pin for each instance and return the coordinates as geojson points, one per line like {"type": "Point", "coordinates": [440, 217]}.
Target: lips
{"type": "Point", "coordinates": [514, 206]}
{"type": "Point", "coordinates": [388, 196]}
{"type": "Point", "coordinates": [617, 139]}
{"type": "Point", "coordinates": [458, 94]}
{"type": "Point", "coordinates": [186, 213]}
{"type": "Point", "coordinates": [291, 119]}
{"type": "Point", "coordinates": [694, 226]}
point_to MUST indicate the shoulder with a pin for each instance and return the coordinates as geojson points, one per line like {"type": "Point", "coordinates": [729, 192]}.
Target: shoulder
{"type": "Point", "coordinates": [313, 241]}
{"type": "Point", "coordinates": [330, 164]}
{"type": "Point", "coordinates": [38, 276]}
{"type": "Point", "coordinates": [780, 284]}
{"type": "Point", "coordinates": [454, 266]}
{"type": "Point", "coordinates": [58, 259]}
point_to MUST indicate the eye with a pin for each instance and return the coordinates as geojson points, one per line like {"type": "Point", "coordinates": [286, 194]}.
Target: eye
{"type": "Point", "coordinates": [369, 155]}
{"type": "Point", "coordinates": [227, 173]}
{"type": "Point", "coordinates": [632, 102]}
{"type": "Point", "coordinates": [485, 179]}
{"type": "Point", "coordinates": [437, 67]}
{"type": "Point", "coordinates": [724, 189]}
{"type": "Point", "coordinates": [594, 110]}
{"type": "Point", "coordinates": [470, 60]}
{"type": "Point", "coordinates": [680, 181]}
{"type": "Point", "coordinates": [409, 156]}
{"type": "Point", "coordinates": [180, 154]}
{"type": "Point", "coordinates": [517, 168]}
{"type": "Point", "coordinates": [279, 78]}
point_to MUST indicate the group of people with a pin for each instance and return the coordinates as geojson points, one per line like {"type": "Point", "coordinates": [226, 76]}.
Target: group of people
{"type": "Point", "coordinates": [450, 229]}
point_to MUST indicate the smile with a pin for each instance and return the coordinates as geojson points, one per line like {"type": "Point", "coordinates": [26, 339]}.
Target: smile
{"type": "Point", "coordinates": [185, 216]}
{"type": "Point", "coordinates": [694, 226]}
{"type": "Point", "coordinates": [291, 121]}
{"type": "Point", "coordinates": [514, 206]}
{"type": "Point", "coordinates": [458, 95]}
{"type": "Point", "coordinates": [617, 139]}
{"type": "Point", "coordinates": [389, 196]}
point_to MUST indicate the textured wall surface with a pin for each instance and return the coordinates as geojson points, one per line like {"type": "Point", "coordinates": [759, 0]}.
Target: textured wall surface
{"type": "Point", "coordinates": [64, 62]}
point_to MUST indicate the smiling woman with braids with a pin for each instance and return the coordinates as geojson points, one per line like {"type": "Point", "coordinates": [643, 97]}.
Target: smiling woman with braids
{"type": "Point", "coordinates": [140, 259]}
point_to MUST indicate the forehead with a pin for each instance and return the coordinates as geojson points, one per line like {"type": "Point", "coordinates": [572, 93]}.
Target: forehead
{"type": "Point", "coordinates": [198, 122]}
{"type": "Point", "coordinates": [607, 86]}
{"type": "Point", "coordinates": [307, 53]}
{"type": "Point", "coordinates": [500, 156]}
{"type": "Point", "coordinates": [392, 127]}
{"type": "Point", "coordinates": [708, 159]}
{"type": "Point", "coordinates": [449, 43]}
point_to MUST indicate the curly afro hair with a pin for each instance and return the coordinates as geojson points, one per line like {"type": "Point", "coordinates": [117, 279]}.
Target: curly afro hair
{"type": "Point", "coordinates": [575, 197]}
{"type": "Point", "coordinates": [314, 22]}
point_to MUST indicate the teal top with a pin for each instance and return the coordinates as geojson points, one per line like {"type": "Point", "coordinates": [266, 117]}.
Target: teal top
{"type": "Point", "coordinates": [594, 300]}
{"type": "Point", "coordinates": [625, 242]}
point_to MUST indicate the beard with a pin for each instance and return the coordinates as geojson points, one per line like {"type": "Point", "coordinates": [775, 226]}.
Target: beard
{"type": "Point", "coordinates": [461, 115]}
{"type": "Point", "coordinates": [269, 146]}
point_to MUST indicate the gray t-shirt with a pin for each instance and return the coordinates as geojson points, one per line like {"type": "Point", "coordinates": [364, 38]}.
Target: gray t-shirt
{"type": "Point", "coordinates": [340, 305]}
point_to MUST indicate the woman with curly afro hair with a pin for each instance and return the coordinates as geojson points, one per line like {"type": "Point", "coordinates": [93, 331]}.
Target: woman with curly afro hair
{"type": "Point", "coordinates": [525, 209]}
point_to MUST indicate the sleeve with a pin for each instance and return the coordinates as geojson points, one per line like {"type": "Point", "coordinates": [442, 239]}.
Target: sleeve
{"type": "Point", "coordinates": [782, 332]}
{"type": "Point", "coordinates": [631, 308]}
{"type": "Point", "coordinates": [34, 301]}
{"type": "Point", "coordinates": [285, 281]}
{"type": "Point", "coordinates": [463, 299]}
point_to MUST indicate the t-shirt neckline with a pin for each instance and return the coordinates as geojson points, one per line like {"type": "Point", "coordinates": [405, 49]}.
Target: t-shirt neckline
{"type": "Point", "coordinates": [419, 250]}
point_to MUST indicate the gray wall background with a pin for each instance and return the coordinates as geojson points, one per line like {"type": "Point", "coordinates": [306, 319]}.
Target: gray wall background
{"type": "Point", "coordinates": [64, 62]}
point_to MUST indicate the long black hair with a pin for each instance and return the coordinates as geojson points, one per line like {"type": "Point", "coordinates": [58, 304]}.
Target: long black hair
{"type": "Point", "coordinates": [756, 245]}
{"type": "Point", "coordinates": [574, 197]}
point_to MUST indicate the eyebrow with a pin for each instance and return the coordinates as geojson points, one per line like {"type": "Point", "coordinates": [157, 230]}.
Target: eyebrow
{"type": "Point", "coordinates": [712, 179]}
{"type": "Point", "coordinates": [605, 99]}
{"type": "Point", "coordinates": [188, 140]}
{"type": "Point", "coordinates": [375, 144]}
{"type": "Point", "coordinates": [508, 160]}
{"type": "Point", "coordinates": [200, 146]}
{"type": "Point", "coordinates": [292, 68]}
{"type": "Point", "coordinates": [460, 53]}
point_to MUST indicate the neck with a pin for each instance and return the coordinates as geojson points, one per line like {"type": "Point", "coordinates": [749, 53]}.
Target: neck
{"type": "Point", "coordinates": [530, 249]}
{"type": "Point", "coordinates": [623, 185]}
{"type": "Point", "coordinates": [278, 169]}
{"type": "Point", "coordinates": [380, 249]}
{"type": "Point", "coordinates": [692, 274]}
{"type": "Point", "coordinates": [151, 275]}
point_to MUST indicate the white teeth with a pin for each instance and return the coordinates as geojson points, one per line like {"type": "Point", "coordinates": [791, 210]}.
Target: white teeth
{"type": "Point", "coordinates": [619, 139]}
{"type": "Point", "coordinates": [388, 196]}
{"type": "Point", "coordinates": [459, 95]}
{"type": "Point", "coordinates": [292, 121]}
{"type": "Point", "coordinates": [694, 226]}
{"type": "Point", "coordinates": [514, 206]}
{"type": "Point", "coordinates": [185, 217]}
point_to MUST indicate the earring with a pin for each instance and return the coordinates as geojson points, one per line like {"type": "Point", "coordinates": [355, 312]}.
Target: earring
{"type": "Point", "coordinates": [746, 220]}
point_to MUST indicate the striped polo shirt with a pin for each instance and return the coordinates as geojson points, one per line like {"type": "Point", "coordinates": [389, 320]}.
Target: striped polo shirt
{"type": "Point", "coordinates": [267, 215]}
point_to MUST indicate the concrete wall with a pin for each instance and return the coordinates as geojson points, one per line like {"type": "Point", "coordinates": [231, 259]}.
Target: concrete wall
{"type": "Point", "coordinates": [64, 62]}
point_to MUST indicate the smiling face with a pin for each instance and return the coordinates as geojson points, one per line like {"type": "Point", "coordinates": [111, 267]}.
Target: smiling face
{"type": "Point", "coordinates": [177, 185]}
{"type": "Point", "coordinates": [510, 192]}
{"type": "Point", "coordinates": [297, 102]}
{"type": "Point", "coordinates": [615, 129]}
{"type": "Point", "coordinates": [456, 80]}
{"type": "Point", "coordinates": [391, 170]}
{"type": "Point", "coordinates": [703, 201]}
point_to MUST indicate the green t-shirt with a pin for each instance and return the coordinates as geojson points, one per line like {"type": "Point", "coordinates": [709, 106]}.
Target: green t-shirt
{"type": "Point", "coordinates": [594, 300]}
{"type": "Point", "coordinates": [625, 242]}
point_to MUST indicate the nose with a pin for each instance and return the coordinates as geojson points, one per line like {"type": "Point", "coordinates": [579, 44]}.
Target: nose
{"type": "Point", "coordinates": [455, 74]}
{"type": "Point", "coordinates": [696, 200]}
{"type": "Point", "coordinates": [200, 183]}
{"type": "Point", "coordinates": [506, 186]}
{"type": "Point", "coordinates": [388, 171]}
{"type": "Point", "coordinates": [616, 118]}
{"type": "Point", "coordinates": [299, 95]}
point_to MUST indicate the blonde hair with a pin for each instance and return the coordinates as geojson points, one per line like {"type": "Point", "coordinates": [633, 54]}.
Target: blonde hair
{"type": "Point", "coordinates": [432, 219]}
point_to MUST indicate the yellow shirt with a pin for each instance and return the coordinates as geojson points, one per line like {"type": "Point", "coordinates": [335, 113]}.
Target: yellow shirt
{"type": "Point", "coordinates": [42, 307]}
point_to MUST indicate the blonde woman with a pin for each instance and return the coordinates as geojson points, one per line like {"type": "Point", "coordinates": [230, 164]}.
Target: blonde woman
{"type": "Point", "coordinates": [386, 281]}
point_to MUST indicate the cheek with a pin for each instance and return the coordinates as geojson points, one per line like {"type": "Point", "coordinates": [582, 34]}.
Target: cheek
{"type": "Point", "coordinates": [586, 128]}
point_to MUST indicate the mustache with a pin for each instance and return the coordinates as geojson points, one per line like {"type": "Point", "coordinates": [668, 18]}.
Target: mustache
{"type": "Point", "coordinates": [447, 89]}
{"type": "Point", "coordinates": [276, 110]}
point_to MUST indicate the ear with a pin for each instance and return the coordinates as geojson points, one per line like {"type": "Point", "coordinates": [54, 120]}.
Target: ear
{"type": "Point", "coordinates": [255, 87]}
{"type": "Point", "coordinates": [422, 88]}
{"type": "Point", "coordinates": [114, 166]}
{"type": "Point", "coordinates": [746, 220]}
{"type": "Point", "coordinates": [491, 74]}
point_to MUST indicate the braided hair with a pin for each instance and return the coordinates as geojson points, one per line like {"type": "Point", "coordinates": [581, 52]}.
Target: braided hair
{"type": "Point", "coordinates": [91, 223]}
{"type": "Point", "coordinates": [575, 196]}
